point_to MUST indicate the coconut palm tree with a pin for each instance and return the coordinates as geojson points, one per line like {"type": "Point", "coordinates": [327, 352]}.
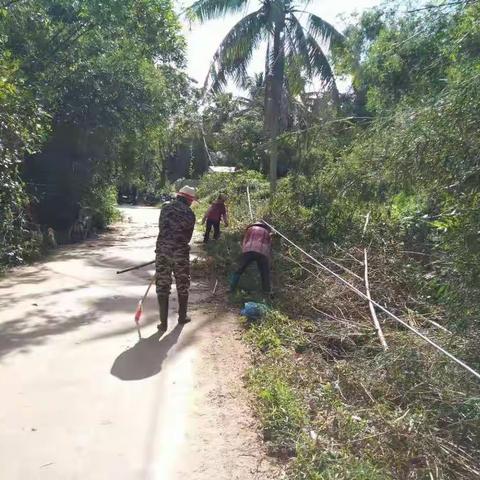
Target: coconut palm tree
{"type": "Point", "coordinates": [294, 53]}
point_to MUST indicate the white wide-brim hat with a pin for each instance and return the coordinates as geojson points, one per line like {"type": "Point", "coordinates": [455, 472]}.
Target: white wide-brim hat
{"type": "Point", "coordinates": [188, 192]}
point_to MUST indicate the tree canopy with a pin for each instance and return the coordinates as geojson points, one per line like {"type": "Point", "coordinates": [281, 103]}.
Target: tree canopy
{"type": "Point", "coordinates": [294, 55]}
{"type": "Point", "coordinates": [82, 83]}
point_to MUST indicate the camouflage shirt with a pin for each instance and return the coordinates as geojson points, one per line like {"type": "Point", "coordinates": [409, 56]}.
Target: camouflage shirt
{"type": "Point", "coordinates": [176, 225]}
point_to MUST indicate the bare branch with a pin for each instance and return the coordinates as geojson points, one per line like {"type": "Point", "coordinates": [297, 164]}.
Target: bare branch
{"type": "Point", "coordinates": [372, 308]}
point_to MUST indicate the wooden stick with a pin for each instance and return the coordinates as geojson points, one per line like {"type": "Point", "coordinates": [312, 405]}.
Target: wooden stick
{"type": "Point", "coordinates": [249, 203]}
{"type": "Point", "coordinates": [367, 219]}
{"type": "Point", "coordinates": [370, 304]}
{"type": "Point", "coordinates": [344, 268]}
{"type": "Point", "coordinates": [148, 288]}
{"type": "Point", "coordinates": [441, 327]}
{"type": "Point", "coordinates": [136, 267]}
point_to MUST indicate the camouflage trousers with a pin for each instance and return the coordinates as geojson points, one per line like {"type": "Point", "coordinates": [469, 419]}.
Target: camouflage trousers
{"type": "Point", "coordinates": [179, 265]}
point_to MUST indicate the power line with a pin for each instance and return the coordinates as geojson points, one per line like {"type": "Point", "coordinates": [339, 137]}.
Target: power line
{"type": "Point", "coordinates": [381, 307]}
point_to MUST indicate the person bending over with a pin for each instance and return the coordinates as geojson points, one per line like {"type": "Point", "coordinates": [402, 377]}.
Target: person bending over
{"type": "Point", "coordinates": [256, 247]}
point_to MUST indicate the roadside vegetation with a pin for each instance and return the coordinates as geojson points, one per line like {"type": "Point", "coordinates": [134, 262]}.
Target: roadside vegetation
{"type": "Point", "coordinates": [394, 170]}
{"type": "Point", "coordinates": [87, 93]}
{"type": "Point", "coordinates": [332, 402]}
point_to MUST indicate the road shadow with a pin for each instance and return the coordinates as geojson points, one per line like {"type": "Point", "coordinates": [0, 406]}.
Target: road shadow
{"type": "Point", "coordinates": [33, 310]}
{"type": "Point", "coordinates": [41, 323]}
{"type": "Point", "coordinates": [146, 358]}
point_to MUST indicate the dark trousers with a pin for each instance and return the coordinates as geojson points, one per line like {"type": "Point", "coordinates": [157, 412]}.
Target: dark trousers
{"type": "Point", "coordinates": [216, 230]}
{"type": "Point", "coordinates": [263, 264]}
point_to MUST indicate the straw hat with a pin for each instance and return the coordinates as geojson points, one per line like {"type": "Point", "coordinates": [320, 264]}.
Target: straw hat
{"type": "Point", "coordinates": [187, 192]}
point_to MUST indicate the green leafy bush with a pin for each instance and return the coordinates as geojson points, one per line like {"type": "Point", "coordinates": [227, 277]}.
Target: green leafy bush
{"type": "Point", "coordinates": [102, 200]}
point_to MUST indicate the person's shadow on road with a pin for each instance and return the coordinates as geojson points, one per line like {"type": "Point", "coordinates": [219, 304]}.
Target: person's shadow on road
{"type": "Point", "coordinates": [146, 358]}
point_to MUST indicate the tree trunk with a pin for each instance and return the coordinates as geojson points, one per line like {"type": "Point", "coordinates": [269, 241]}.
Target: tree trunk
{"type": "Point", "coordinates": [267, 98]}
{"type": "Point", "coordinates": [273, 93]}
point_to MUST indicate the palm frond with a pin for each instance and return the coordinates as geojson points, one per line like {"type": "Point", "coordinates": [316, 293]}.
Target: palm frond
{"type": "Point", "coordinates": [204, 10]}
{"type": "Point", "coordinates": [294, 69]}
{"type": "Point", "coordinates": [324, 31]}
{"type": "Point", "coordinates": [309, 57]}
{"type": "Point", "coordinates": [254, 84]}
{"type": "Point", "coordinates": [232, 57]}
{"type": "Point", "coordinates": [321, 66]}
{"type": "Point", "coordinates": [297, 43]}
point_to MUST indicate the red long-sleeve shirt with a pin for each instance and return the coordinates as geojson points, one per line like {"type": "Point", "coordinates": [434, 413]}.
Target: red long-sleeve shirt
{"type": "Point", "coordinates": [257, 239]}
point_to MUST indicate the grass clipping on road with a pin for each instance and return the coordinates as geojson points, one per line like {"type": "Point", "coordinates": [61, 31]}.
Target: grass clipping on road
{"type": "Point", "coordinates": [333, 404]}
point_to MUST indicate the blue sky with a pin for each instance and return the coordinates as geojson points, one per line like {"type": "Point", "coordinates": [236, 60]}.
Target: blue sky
{"type": "Point", "coordinates": [204, 39]}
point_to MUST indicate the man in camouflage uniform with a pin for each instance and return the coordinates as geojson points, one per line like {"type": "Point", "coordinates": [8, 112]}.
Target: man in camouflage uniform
{"type": "Point", "coordinates": [176, 225]}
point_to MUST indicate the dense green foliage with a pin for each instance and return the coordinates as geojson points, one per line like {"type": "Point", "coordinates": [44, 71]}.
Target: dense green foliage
{"type": "Point", "coordinates": [402, 152]}
{"type": "Point", "coordinates": [86, 93]}
{"type": "Point", "coordinates": [414, 165]}
{"type": "Point", "coordinates": [417, 166]}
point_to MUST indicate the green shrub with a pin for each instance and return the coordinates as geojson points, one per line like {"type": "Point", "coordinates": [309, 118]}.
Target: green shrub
{"type": "Point", "coordinates": [103, 202]}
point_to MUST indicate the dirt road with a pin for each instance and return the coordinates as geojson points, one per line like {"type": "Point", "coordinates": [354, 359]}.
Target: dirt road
{"type": "Point", "coordinates": [82, 398]}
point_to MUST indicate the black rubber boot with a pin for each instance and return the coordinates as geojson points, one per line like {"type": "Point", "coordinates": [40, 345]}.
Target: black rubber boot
{"type": "Point", "coordinates": [182, 309]}
{"type": "Point", "coordinates": [163, 308]}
